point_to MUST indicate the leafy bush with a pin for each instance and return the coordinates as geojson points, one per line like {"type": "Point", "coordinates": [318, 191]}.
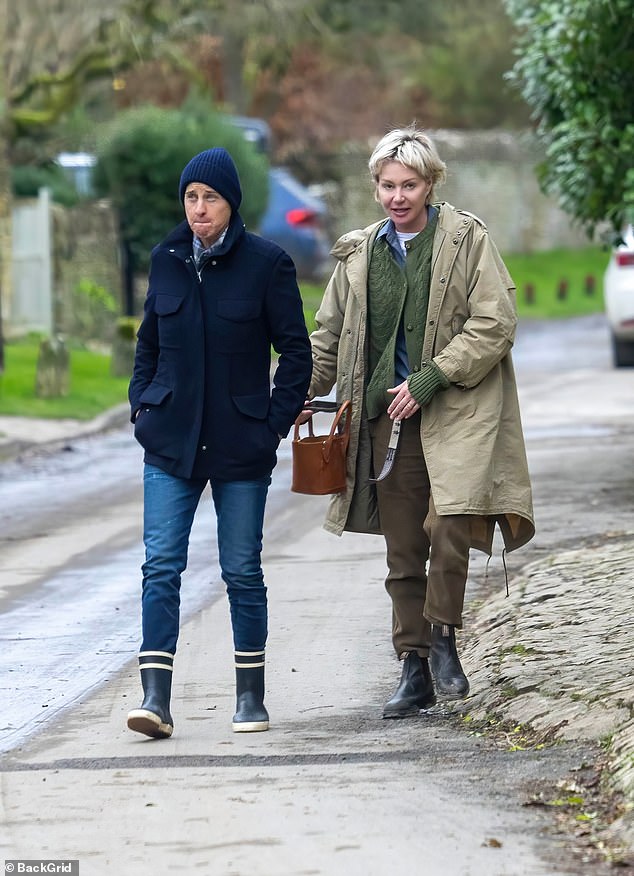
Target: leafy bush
{"type": "Point", "coordinates": [27, 180]}
{"type": "Point", "coordinates": [139, 161]}
{"type": "Point", "coordinates": [93, 312]}
{"type": "Point", "coordinates": [575, 71]}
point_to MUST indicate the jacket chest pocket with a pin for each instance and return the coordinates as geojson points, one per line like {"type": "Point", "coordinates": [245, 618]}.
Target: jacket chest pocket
{"type": "Point", "coordinates": [238, 325]}
{"type": "Point", "coordinates": [169, 310]}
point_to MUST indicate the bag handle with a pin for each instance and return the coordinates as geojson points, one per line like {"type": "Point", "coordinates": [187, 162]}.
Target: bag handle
{"type": "Point", "coordinates": [327, 445]}
{"type": "Point", "coordinates": [343, 408]}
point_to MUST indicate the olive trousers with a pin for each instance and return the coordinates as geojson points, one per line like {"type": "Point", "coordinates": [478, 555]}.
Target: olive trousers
{"type": "Point", "coordinates": [427, 553]}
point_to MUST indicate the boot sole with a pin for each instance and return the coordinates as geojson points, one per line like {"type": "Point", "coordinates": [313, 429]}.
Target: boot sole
{"type": "Point", "coordinates": [148, 723]}
{"type": "Point", "coordinates": [411, 711]}
{"type": "Point", "coordinates": [249, 726]}
{"type": "Point", "coordinates": [452, 694]}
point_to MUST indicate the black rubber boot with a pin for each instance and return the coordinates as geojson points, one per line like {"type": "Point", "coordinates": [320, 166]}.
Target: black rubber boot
{"type": "Point", "coordinates": [415, 690]}
{"type": "Point", "coordinates": [251, 715]}
{"type": "Point", "coordinates": [153, 718]}
{"type": "Point", "coordinates": [449, 677]}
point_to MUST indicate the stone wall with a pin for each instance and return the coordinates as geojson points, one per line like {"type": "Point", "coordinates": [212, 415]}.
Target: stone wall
{"type": "Point", "coordinates": [86, 271]}
{"type": "Point", "coordinates": [67, 281]}
{"type": "Point", "coordinates": [489, 173]}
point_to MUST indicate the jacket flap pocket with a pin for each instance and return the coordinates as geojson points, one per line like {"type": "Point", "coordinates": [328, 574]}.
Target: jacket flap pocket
{"type": "Point", "coordinates": [166, 304]}
{"type": "Point", "coordinates": [154, 394]}
{"type": "Point", "coordinates": [256, 406]}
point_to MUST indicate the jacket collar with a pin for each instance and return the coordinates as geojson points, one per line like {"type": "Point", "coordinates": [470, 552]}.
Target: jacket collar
{"type": "Point", "coordinates": [449, 221]}
{"type": "Point", "coordinates": [181, 238]}
{"type": "Point", "coordinates": [353, 239]}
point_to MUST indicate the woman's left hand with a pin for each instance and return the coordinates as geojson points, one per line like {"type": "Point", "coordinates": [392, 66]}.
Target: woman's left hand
{"type": "Point", "coordinates": [404, 404]}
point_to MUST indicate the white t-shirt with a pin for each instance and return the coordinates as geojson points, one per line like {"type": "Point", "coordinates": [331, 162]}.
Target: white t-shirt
{"type": "Point", "coordinates": [404, 236]}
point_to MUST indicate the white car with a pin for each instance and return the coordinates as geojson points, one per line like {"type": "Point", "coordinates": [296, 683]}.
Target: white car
{"type": "Point", "coordinates": [618, 294]}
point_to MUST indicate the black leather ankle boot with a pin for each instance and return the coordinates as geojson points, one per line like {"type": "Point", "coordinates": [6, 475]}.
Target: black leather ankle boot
{"type": "Point", "coordinates": [154, 718]}
{"type": "Point", "coordinates": [251, 715]}
{"type": "Point", "coordinates": [415, 690]}
{"type": "Point", "coordinates": [449, 677]}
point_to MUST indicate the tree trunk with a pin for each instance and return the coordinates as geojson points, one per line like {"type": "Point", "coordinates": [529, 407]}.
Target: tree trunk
{"type": "Point", "coordinates": [5, 180]}
{"type": "Point", "coordinates": [232, 65]}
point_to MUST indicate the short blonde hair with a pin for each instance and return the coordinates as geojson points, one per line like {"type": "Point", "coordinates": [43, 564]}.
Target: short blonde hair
{"type": "Point", "coordinates": [412, 148]}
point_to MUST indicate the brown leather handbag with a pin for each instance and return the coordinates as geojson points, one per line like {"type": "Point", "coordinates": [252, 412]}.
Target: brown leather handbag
{"type": "Point", "coordinates": [319, 461]}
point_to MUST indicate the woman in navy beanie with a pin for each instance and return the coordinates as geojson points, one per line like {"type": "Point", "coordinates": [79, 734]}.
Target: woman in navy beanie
{"type": "Point", "coordinates": [219, 297]}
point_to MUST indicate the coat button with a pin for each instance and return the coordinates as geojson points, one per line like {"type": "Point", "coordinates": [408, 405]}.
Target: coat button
{"type": "Point", "coordinates": [410, 327]}
{"type": "Point", "coordinates": [214, 262]}
{"type": "Point", "coordinates": [455, 240]}
{"type": "Point", "coordinates": [204, 447]}
{"type": "Point", "coordinates": [442, 280]}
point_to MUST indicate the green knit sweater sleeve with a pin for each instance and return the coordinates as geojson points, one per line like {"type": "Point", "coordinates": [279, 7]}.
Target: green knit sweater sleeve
{"type": "Point", "coordinates": [424, 384]}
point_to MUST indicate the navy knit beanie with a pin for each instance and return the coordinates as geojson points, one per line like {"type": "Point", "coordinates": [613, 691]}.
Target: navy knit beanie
{"type": "Point", "coordinates": [214, 168]}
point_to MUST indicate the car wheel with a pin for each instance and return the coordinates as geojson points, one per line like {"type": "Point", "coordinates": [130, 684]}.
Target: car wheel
{"type": "Point", "coordinates": [623, 352]}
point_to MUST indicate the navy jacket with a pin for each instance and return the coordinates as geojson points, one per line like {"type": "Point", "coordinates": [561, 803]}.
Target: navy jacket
{"type": "Point", "coordinates": [201, 382]}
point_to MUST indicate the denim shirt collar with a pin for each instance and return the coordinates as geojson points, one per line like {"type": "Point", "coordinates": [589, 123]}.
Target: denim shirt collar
{"type": "Point", "coordinates": [202, 253]}
{"type": "Point", "coordinates": [388, 231]}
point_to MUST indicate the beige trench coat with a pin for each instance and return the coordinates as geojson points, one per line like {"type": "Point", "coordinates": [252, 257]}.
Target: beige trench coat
{"type": "Point", "coordinates": [471, 433]}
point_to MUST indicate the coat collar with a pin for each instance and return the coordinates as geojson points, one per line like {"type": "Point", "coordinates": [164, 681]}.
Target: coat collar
{"type": "Point", "coordinates": [450, 220]}
{"type": "Point", "coordinates": [352, 240]}
{"type": "Point", "coordinates": [180, 239]}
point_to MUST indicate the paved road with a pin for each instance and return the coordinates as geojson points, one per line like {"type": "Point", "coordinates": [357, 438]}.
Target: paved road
{"type": "Point", "coordinates": [332, 788]}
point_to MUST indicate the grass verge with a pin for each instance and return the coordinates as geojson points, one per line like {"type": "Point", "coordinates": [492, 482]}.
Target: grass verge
{"type": "Point", "coordinates": [553, 284]}
{"type": "Point", "coordinates": [92, 387]}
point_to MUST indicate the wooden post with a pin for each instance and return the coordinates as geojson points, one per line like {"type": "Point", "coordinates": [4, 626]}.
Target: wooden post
{"type": "Point", "coordinates": [124, 347]}
{"type": "Point", "coordinates": [562, 290]}
{"type": "Point", "coordinates": [52, 377]}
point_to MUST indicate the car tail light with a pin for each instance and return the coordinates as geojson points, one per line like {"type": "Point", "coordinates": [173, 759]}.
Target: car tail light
{"type": "Point", "coordinates": [303, 216]}
{"type": "Point", "coordinates": [625, 259]}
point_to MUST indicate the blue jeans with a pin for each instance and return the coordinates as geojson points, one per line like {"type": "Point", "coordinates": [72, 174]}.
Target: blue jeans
{"type": "Point", "coordinates": [169, 507]}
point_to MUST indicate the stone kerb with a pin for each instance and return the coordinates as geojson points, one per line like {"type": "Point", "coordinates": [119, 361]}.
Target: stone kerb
{"type": "Point", "coordinates": [556, 654]}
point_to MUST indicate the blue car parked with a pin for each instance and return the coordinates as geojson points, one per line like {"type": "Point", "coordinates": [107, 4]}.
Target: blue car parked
{"type": "Point", "coordinates": [294, 218]}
